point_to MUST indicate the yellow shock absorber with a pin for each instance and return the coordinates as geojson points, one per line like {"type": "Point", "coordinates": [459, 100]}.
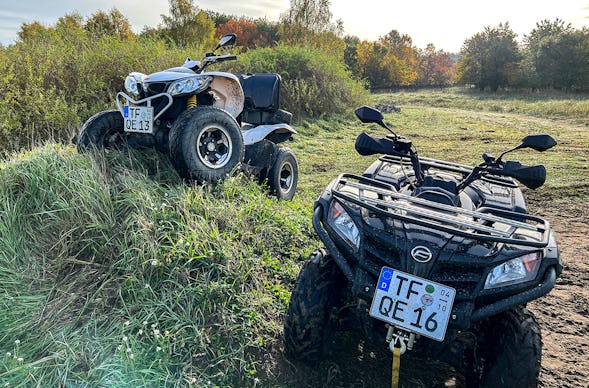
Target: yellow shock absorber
{"type": "Point", "coordinates": [191, 102]}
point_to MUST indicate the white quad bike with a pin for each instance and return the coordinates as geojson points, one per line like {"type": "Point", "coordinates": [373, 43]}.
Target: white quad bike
{"type": "Point", "coordinates": [208, 122]}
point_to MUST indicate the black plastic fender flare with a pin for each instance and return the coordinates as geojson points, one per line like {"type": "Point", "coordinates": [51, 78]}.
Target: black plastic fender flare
{"type": "Point", "coordinates": [517, 299]}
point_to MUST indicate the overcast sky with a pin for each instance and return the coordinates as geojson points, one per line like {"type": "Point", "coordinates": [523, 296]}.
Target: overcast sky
{"type": "Point", "coordinates": [445, 23]}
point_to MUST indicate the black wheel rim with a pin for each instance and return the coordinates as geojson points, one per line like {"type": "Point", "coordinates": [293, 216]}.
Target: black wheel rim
{"type": "Point", "coordinates": [214, 147]}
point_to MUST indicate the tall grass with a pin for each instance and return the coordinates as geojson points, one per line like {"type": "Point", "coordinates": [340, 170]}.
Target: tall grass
{"type": "Point", "coordinates": [114, 273]}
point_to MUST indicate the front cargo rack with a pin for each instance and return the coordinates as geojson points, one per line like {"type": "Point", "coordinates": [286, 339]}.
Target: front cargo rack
{"type": "Point", "coordinates": [485, 224]}
{"type": "Point", "coordinates": [443, 165]}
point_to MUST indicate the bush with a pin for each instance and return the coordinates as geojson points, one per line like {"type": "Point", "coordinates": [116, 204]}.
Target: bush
{"type": "Point", "coordinates": [54, 80]}
{"type": "Point", "coordinates": [314, 83]}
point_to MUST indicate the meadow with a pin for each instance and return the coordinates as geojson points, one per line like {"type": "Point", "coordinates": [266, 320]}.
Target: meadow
{"type": "Point", "coordinates": [114, 272]}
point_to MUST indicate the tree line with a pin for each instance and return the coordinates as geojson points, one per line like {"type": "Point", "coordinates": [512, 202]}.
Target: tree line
{"type": "Point", "coordinates": [553, 55]}
{"type": "Point", "coordinates": [390, 61]}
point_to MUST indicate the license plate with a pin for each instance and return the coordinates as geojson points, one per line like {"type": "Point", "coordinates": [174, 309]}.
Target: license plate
{"type": "Point", "coordinates": [138, 119]}
{"type": "Point", "coordinates": [413, 303]}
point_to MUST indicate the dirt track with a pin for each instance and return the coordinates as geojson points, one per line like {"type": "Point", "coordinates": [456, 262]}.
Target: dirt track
{"type": "Point", "coordinates": [564, 313]}
{"type": "Point", "coordinates": [563, 316]}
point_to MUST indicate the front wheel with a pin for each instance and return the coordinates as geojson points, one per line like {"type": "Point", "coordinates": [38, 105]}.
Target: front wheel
{"type": "Point", "coordinates": [205, 144]}
{"type": "Point", "coordinates": [284, 174]}
{"type": "Point", "coordinates": [308, 322]}
{"type": "Point", "coordinates": [102, 131]}
{"type": "Point", "coordinates": [512, 350]}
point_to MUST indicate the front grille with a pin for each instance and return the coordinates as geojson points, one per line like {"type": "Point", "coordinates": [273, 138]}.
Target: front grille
{"type": "Point", "coordinates": [156, 88]}
{"type": "Point", "coordinates": [388, 249]}
{"type": "Point", "coordinates": [377, 254]}
{"type": "Point", "coordinates": [464, 280]}
{"type": "Point", "coordinates": [159, 103]}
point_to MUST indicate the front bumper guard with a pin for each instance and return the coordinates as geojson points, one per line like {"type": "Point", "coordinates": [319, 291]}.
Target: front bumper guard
{"type": "Point", "coordinates": [130, 101]}
{"type": "Point", "coordinates": [478, 314]}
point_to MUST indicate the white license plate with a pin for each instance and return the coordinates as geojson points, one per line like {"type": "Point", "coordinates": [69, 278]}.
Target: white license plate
{"type": "Point", "coordinates": [138, 119]}
{"type": "Point", "coordinates": [413, 303]}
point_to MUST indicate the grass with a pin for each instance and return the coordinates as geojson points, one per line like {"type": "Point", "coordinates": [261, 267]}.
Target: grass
{"type": "Point", "coordinates": [115, 273]}
{"type": "Point", "coordinates": [554, 105]}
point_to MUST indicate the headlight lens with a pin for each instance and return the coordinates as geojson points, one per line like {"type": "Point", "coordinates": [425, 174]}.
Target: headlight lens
{"type": "Point", "coordinates": [518, 270]}
{"type": "Point", "coordinates": [189, 85]}
{"type": "Point", "coordinates": [132, 81]}
{"type": "Point", "coordinates": [343, 224]}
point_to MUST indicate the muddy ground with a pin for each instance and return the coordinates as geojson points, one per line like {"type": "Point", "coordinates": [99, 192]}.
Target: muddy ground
{"type": "Point", "coordinates": [563, 316]}
{"type": "Point", "coordinates": [564, 313]}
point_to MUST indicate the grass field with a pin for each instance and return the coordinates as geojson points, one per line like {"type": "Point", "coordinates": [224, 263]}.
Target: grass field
{"type": "Point", "coordinates": [114, 273]}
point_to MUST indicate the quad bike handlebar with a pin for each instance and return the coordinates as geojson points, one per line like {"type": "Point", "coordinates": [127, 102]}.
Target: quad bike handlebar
{"type": "Point", "coordinates": [210, 59]}
{"type": "Point", "coordinates": [530, 176]}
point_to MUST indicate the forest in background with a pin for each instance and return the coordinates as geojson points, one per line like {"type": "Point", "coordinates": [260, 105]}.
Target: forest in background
{"type": "Point", "coordinates": [54, 77]}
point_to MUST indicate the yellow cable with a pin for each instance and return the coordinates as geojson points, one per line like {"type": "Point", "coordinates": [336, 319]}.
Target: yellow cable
{"type": "Point", "coordinates": [396, 367]}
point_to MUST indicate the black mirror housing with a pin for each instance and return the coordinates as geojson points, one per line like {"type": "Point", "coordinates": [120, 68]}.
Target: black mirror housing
{"type": "Point", "coordinates": [540, 143]}
{"type": "Point", "coordinates": [227, 40]}
{"type": "Point", "coordinates": [368, 114]}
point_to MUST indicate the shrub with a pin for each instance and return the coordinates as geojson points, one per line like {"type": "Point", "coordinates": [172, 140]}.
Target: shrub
{"type": "Point", "coordinates": [314, 83]}
{"type": "Point", "coordinates": [53, 81]}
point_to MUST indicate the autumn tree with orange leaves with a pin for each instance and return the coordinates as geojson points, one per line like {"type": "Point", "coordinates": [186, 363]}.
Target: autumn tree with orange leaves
{"type": "Point", "coordinates": [436, 67]}
{"type": "Point", "coordinates": [249, 34]}
{"type": "Point", "coordinates": [391, 61]}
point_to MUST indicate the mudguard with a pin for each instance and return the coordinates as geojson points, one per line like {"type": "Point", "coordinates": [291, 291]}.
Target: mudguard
{"type": "Point", "coordinates": [227, 92]}
{"type": "Point", "coordinates": [252, 135]}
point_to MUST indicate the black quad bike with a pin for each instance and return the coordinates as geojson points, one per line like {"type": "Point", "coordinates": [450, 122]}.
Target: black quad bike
{"type": "Point", "coordinates": [208, 121]}
{"type": "Point", "coordinates": [431, 256]}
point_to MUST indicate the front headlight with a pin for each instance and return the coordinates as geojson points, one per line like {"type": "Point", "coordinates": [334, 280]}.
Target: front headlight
{"type": "Point", "coordinates": [518, 270]}
{"type": "Point", "coordinates": [132, 81]}
{"type": "Point", "coordinates": [189, 85]}
{"type": "Point", "coordinates": [343, 224]}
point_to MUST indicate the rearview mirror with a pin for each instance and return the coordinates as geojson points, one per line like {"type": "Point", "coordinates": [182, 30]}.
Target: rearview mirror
{"type": "Point", "coordinates": [367, 114]}
{"type": "Point", "coordinates": [227, 40]}
{"type": "Point", "coordinates": [538, 142]}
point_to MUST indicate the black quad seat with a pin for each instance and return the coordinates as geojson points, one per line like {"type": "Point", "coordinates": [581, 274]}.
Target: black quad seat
{"type": "Point", "coordinates": [262, 99]}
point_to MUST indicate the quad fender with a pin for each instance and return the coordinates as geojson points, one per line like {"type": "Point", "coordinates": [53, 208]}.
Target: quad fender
{"type": "Point", "coordinates": [252, 135]}
{"type": "Point", "coordinates": [227, 92]}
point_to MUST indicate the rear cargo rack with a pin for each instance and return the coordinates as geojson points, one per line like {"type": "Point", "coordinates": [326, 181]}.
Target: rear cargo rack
{"type": "Point", "coordinates": [486, 224]}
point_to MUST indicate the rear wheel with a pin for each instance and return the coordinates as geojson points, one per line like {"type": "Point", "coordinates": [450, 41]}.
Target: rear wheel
{"type": "Point", "coordinates": [102, 131]}
{"type": "Point", "coordinates": [284, 174]}
{"type": "Point", "coordinates": [308, 323]}
{"type": "Point", "coordinates": [205, 144]}
{"type": "Point", "coordinates": [512, 350]}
